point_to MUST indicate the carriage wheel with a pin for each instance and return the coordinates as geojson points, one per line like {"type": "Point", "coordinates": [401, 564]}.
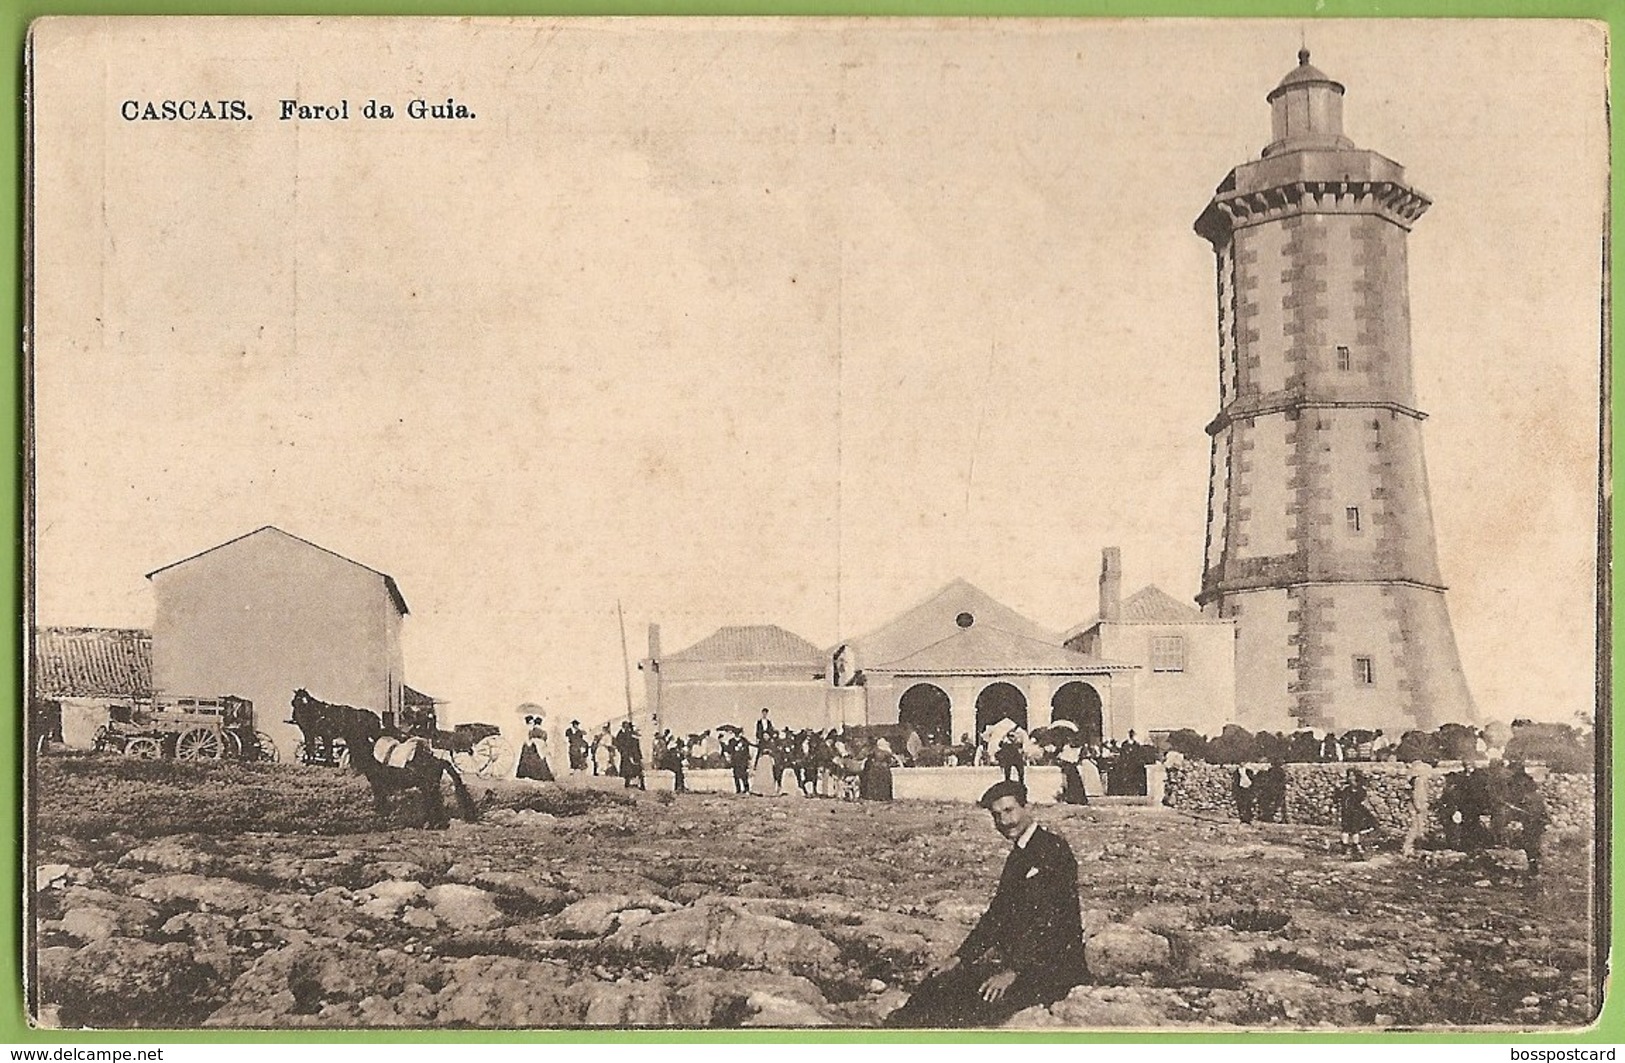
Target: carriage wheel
{"type": "Point", "coordinates": [268, 751]}
{"type": "Point", "coordinates": [200, 743]}
{"type": "Point", "coordinates": [299, 752]}
{"type": "Point", "coordinates": [144, 747]}
{"type": "Point", "coordinates": [233, 744]}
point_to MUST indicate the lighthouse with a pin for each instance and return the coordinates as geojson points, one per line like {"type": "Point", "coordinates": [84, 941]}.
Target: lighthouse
{"type": "Point", "coordinates": [1320, 541]}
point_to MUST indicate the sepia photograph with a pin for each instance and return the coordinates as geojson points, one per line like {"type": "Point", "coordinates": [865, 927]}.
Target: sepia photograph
{"type": "Point", "coordinates": [816, 524]}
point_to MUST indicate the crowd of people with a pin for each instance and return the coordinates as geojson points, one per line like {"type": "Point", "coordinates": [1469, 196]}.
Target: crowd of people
{"type": "Point", "coordinates": [1496, 806]}
{"type": "Point", "coordinates": [772, 761]}
{"type": "Point", "coordinates": [838, 762]}
{"type": "Point", "coordinates": [1479, 808]}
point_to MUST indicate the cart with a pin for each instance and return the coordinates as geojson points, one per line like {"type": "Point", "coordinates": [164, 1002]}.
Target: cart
{"type": "Point", "coordinates": [186, 728]}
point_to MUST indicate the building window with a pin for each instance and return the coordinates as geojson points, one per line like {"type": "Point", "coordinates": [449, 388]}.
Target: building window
{"type": "Point", "coordinates": [1364, 673]}
{"type": "Point", "coordinates": [1352, 514]}
{"type": "Point", "coordinates": [1167, 653]}
{"type": "Point", "coordinates": [1345, 360]}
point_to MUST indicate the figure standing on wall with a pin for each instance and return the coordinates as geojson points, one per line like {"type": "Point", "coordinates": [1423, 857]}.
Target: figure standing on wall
{"type": "Point", "coordinates": [766, 734]}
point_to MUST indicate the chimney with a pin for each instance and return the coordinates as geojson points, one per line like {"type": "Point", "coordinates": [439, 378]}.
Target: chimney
{"type": "Point", "coordinates": [1111, 584]}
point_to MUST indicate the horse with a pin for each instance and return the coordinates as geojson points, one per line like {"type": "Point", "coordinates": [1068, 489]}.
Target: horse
{"type": "Point", "coordinates": [407, 764]}
{"type": "Point", "coordinates": [320, 723]}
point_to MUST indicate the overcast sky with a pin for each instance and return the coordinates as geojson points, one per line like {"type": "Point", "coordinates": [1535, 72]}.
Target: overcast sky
{"type": "Point", "coordinates": [771, 322]}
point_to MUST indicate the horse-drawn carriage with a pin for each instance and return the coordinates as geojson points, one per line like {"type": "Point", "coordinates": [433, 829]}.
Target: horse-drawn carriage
{"type": "Point", "coordinates": [392, 761]}
{"type": "Point", "coordinates": [475, 748]}
{"type": "Point", "coordinates": [186, 729]}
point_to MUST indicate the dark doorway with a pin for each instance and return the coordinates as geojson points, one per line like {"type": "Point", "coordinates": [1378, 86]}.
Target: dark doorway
{"type": "Point", "coordinates": [929, 710]}
{"type": "Point", "coordinates": [1000, 701]}
{"type": "Point", "coordinates": [1079, 702]}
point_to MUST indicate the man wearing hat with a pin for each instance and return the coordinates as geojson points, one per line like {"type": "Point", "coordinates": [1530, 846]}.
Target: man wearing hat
{"type": "Point", "coordinates": [1027, 948]}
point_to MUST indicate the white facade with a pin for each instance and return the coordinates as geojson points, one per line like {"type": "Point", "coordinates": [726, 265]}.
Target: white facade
{"type": "Point", "coordinates": [265, 614]}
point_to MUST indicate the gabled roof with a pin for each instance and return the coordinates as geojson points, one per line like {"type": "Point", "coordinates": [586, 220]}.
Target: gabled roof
{"type": "Point", "coordinates": [1151, 605]}
{"type": "Point", "coordinates": [979, 650]}
{"type": "Point", "coordinates": [934, 619]}
{"type": "Point", "coordinates": [755, 643]}
{"type": "Point", "coordinates": [92, 662]}
{"type": "Point", "coordinates": [418, 699]}
{"type": "Point", "coordinates": [389, 581]}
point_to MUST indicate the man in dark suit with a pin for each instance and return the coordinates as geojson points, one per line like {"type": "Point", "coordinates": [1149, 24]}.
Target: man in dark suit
{"type": "Point", "coordinates": [1027, 948]}
{"type": "Point", "coordinates": [767, 736]}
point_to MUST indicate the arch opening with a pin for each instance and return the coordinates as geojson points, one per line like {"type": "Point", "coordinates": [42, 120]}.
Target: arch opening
{"type": "Point", "coordinates": [1000, 701]}
{"type": "Point", "coordinates": [1080, 703]}
{"type": "Point", "coordinates": [929, 710]}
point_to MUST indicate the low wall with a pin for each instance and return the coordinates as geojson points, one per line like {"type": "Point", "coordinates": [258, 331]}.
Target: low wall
{"type": "Point", "coordinates": [908, 784]}
{"type": "Point", "coordinates": [1196, 786]}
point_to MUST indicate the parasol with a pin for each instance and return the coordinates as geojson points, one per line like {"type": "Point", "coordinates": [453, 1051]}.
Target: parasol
{"type": "Point", "coordinates": [997, 730]}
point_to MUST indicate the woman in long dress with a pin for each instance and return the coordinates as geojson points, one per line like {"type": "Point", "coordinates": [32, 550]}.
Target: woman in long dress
{"type": "Point", "coordinates": [764, 776]}
{"type": "Point", "coordinates": [1072, 788]}
{"type": "Point", "coordinates": [535, 760]}
{"type": "Point", "coordinates": [874, 784]}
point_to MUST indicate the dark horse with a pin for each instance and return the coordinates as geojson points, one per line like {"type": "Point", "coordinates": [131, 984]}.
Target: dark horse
{"type": "Point", "coordinates": [361, 730]}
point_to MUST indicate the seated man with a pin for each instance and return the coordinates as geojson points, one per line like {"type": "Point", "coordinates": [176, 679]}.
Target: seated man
{"type": "Point", "coordinates": [1027, 948]}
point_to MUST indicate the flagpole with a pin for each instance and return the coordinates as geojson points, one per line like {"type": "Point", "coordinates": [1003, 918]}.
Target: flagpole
{"type": "Point", "coordinates": [626, 659]}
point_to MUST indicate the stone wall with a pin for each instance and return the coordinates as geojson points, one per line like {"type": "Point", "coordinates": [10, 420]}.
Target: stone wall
{"type": "Point", "coordinates": [1201, 787]}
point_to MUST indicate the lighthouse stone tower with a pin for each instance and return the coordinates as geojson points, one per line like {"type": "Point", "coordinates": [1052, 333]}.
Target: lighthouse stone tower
{"type": "Point", "coordinates": [1319, 531]}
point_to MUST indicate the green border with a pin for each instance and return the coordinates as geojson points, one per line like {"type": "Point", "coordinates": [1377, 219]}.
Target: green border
{"type": "Point", "coordinates": [14, 22]}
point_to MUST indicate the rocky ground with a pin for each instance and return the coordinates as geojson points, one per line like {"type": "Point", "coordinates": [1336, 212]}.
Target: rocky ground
{"type": "Point", "coordinates": [269, 896]}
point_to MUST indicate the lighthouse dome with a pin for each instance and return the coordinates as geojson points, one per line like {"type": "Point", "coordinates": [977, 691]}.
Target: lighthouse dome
{"type": "Point", "coordinates": [1304, 74]}
{"type": "Point", "coordinates": [1306, 111]}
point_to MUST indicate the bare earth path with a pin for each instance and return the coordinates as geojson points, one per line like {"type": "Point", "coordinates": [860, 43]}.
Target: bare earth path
{"type": "Point", "coordinates": [175, 895]}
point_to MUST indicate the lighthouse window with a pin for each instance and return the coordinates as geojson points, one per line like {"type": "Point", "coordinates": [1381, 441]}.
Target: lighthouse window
{"type": "Point", "coordinates": [1345, 360]}
{"type": "Point", "coordinates": [1352, 514]}
{"type": "Point", "coordinates": [1364, 673]}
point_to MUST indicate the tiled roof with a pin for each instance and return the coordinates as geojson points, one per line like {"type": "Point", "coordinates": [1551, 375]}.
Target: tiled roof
{"type": "Point", "coordinates": [389, 581]}
{"type": "Point", "coordinates": [757, 643]}
{"type": "Point", "coordinates": [935, 619]}
{"type": "Point", "coordinates": [92, 662]}
{"type": "Point", "coordinates": [1151, 605]}
{"type": "Point", "coordinates": [980, 650]}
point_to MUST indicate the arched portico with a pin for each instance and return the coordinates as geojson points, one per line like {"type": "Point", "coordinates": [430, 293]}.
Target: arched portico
{"type": "Point", "coordinates": [929, 709]}
{"type": "Point", "coordinates": [1080, 703]}
{"type": "Point", "coordinates": [1000, 701]}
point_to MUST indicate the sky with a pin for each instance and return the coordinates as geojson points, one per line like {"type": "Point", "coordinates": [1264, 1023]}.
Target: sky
{"type": "Point", "coordinates": [775, 321]}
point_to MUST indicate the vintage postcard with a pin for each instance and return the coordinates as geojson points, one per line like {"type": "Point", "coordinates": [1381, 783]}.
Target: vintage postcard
{"type": "Point", "coordinates": [914, 523]}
